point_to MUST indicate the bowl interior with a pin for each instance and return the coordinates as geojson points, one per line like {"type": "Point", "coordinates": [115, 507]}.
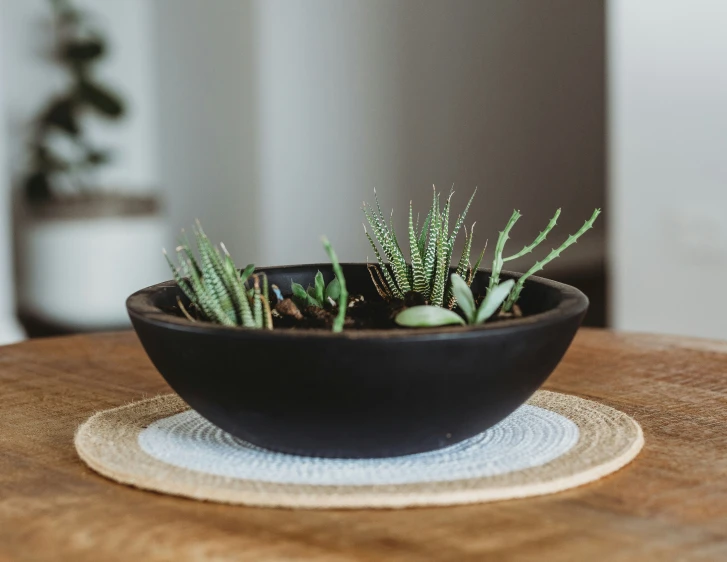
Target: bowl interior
{"type": "Point", "coordinates": [539, 295]}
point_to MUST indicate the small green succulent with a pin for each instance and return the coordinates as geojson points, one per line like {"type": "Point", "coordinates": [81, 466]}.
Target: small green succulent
{"type": "Point", "coordinates": [318, 295]}
{"type": "Point", "coordinates": [427, 315]}
{"type": "Point", "coordinates": [216, 289]}
{"type": "Point", "coordinates": [430, 249]}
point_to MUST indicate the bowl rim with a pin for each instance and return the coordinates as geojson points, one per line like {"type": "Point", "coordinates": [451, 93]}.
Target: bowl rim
{"type": "Point", "coordinates": [573, 303]}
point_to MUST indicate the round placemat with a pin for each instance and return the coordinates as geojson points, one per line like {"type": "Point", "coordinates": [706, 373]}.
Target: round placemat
{"type": "Point", "coordinates": [552, 443]}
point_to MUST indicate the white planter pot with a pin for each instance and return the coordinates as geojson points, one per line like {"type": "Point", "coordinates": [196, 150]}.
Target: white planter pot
{"type": "Point", "coordinates": [77, 273]}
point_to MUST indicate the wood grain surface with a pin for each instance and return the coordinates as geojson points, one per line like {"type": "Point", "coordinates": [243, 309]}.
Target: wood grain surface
{"type": "Point", "coordinates": [669, 504]}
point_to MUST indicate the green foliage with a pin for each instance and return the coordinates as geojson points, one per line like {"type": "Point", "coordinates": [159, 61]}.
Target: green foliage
{"type": "Point", "coordinates": [342, 290]}
{"type": "Point", "coordinates": [572, 239]}
{"type": "Point", "coordinates": [500, 295]}
{"type": "Point", "coordinates": [427, 316]}
{"type": "Point", "coordinates": [430, 251]}
{"type": "Point", "coordinates": [79, 46]}
{"type": "Point", "coordinates": [498, 261]}
{"type": "Point", "coordinates": [216, 290]}
{"type": "Point", "coordinates": [334, 295]}
{"type": "Point", "coordinates": [319, 295]}
{"type": "Point", "coordinates": [430, 316]}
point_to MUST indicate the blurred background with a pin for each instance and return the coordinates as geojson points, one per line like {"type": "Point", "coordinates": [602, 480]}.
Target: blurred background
{"type": "Point", "coordinates": [121, 121]}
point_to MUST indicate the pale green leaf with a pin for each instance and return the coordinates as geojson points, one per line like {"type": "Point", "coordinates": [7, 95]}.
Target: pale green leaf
{"type": "Point", "coordinates": [493, 300]}
{"type": "Point", "coordinates": [465, 300]}
{"type": "Point", "coordinates": [426, 316]}
{"type": "Point", "coordinates": [333, 290]}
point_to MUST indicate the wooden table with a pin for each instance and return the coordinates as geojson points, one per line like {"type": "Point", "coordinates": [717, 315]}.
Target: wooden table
{"type": "Point", "coordinates": [669, 504]}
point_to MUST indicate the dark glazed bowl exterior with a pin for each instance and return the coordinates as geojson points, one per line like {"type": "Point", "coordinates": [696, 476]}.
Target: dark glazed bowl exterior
{"type": "Point", "coordinates": [361, 393]}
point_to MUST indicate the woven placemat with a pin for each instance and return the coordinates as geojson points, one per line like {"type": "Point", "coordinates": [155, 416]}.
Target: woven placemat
{"type": "Point", "coordinates": [553, 443]}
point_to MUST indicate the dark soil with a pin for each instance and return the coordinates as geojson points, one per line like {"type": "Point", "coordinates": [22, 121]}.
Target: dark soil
{"type": "Point", "coordinates": [362, 314]}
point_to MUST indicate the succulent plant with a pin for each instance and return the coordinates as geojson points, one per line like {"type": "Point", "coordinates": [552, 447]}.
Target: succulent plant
{"type": "Point", "coordinates": [427, 315]}
{"type": "Point", "coordinates": [430, 250]}
{"type": "Point", "coordinates": [319, 294]}
{"type": "Point", "coordinates": [498, 260]}
{"type": "Point", "coordinates": [216, 289]}
{"type": "Point", "coordinates": [500, 295]}
{"type": "Point", "coordinates": [333, 296]}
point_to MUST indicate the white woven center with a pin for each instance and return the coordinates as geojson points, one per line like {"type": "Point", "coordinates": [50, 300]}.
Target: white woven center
{"type": "Point", "coordinates": [529, 437]}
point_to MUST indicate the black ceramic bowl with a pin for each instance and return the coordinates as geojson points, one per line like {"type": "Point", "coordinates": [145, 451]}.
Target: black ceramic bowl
{"type": "Point", "coordinates": [367, 393]}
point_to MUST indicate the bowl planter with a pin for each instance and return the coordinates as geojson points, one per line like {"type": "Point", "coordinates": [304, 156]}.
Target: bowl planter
{"type": "Point", "coordinates": [360, 393]}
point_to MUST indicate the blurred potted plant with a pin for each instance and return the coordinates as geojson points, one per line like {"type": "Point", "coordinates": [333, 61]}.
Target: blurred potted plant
{"type": "Point", "coordinates": [68, 221]}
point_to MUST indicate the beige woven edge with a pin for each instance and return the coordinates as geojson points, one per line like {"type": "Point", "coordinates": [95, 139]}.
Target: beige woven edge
{"type": "Point", "coordinates": [108, 443]}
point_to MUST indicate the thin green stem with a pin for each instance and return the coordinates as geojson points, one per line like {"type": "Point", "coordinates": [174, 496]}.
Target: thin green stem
{"type": "Point", "coordinates": [343, 295]}
{"type": "Point", "coordinates": [501, 239]}
{"type": "Point", "coordinates": [538, 239]}
{"type": "Point", "coordinates": [517, 289]}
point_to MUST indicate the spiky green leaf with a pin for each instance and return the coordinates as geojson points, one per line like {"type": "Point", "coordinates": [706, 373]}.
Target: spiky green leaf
{"type": "Point", "coordinates": [390, 248]}
{"type": "Point", "coordinates": [244, 276]}
{"type": "Point", "coordinates": [476, 268]}
{"type": "Point", "coordinates": [460, 221]}
{"type": "Point", "coordinates": [213, 273]}
{"type": "Point", "coordinates": [422, 237]}
{"type": "Point", "coordinates": [442, 269]}
{"type": "Point", "coordinates": [417, 265]}
{"type": "Point", "coordinates": [320, 288]}
{"type": "Point", "coordinates": [257, 304]}
{"type": "Point", "coordinates": [383, 270]}
{"type": "Point", "coordinates": [430, 258]}
{"type": "Point", "coordinates": [181, 282]}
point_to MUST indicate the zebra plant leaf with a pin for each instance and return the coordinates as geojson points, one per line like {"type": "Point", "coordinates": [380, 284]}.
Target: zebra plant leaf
{"type": "Point", "coordinates": [216, 289]}
{"type": "Point", "coordinates": [430, 252]}
{"type": "Point", "coordinates": [419, 276]}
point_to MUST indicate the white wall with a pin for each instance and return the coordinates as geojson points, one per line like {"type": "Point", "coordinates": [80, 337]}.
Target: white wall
{"type": "Point", "coordinates": [278, 117]}
{"type": "Point", "coordinates": [9, 329]}
{"type": "Point", "coordinates": [668, 171]}
{"type": "Point", "coordinates": [206, 121]}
